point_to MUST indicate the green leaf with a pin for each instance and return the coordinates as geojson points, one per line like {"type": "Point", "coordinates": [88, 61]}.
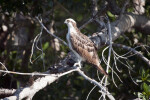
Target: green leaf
{"type": "Point", "coordinates": [145, 74]}
{"type": "Point", "coordinates": [46, 45]}
{"type": "Point", "coordinates": [148, 79]}
{"type": "Point", "coordinates": [110, 14]}
{"type": "Point", "coordinates": [146, 89]}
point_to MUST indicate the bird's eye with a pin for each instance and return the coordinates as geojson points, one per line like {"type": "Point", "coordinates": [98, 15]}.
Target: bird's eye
{"type": "Point", "coordinates": [67, 21]}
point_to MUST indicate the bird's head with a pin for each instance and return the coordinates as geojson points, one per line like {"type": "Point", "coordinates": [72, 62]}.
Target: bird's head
{"type": "Point", "coordinates": [70, 22]}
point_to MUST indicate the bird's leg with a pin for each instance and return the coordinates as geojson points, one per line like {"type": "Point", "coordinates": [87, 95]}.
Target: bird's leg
{"type": "Point", "coordinates": [77, 64]}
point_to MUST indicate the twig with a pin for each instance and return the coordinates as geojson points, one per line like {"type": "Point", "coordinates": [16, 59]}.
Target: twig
{"type": "Point", "coordinates": [115, 62]}
{"type": "Point", "coordinates": [110, 44]}
{"type": "Point", "coordinates": [122, 62]}
{"type": "Point", "coordinates": [66, 10]}
{"type": "Point", "coordinates": [113, 77]}
{"type": "Point", "coordinates": [4, 67]}
{"type": "Point", "coordinates": [51, 33]}
{"type": "Point", "coordinates": [39, 39]}
{"type": "Point", "coordinates": [134, 51]}
{"type": "Point", "coordinates": [89, 21]}
{"type": "Point", "coordinates": [110, 48]}
{"type": "Point", "coordinates": [97, 84]}
{"type": "Point", "coordinates": [122, 11]}
{"type": "Point", "coordinates": [132, 78]}
{"type": "Point", "coordinates": [94, 16]}
{"type": "Point", "coordinates": [19, 73]}
{"type": "Point", "coordinates": [144, 46]}
{"type": "Point", "coordinates": [36, 40]}
{"type": "Point", "coordinates": [90, 92]}
{"type": "Point", "coordinates": [39, 74]}
{"type": "Point", "coordinates": [32, 50]}
{"type": "Point", "coordinates": [117, 58]}
{"type": "Point", "coordinates": [29, 91]}
{"type": "Point", "coordinates": [105, 61]}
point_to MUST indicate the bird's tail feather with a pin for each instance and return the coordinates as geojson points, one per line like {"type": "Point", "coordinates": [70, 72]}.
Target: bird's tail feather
{"type": "Point", "coordinates": [102, 70]}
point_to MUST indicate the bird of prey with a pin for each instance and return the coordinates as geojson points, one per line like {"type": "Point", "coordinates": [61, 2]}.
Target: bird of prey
{"type": "Point", "coordinates": [82, 46]}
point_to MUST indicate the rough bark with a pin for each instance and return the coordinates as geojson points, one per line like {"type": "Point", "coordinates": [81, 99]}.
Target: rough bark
{"type": "Point", "coordinates": [118, 27]}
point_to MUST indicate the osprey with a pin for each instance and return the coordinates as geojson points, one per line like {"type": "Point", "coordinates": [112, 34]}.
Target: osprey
{"type": "Point", "coordinates": [82, 46]}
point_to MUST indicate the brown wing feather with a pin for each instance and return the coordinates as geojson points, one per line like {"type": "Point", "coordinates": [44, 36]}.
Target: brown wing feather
{"type": "Point", "coordinates": [85, 48]}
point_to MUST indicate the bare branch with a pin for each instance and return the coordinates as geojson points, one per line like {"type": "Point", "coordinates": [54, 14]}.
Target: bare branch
{"type": "Point", "coordinates": [4, 66]}
{"type": "Point", "coordinates": [109, 53]}
{"type": "Point", "coordinates": [38, 84]}
{"type": "Point", "coordinates": [50, 32]}
{"type": "Point", "coordinates": [89, 21]}
{"type": "Point", "coordinates": [66, 10]}
{"type": "Point", "coordinates": [134, 51]}
{"type": "Point", "coordinates": [114, 8]}
{"type": "Point", "coordinates": [128, 21]}
{"type": "Point", "coordinates": [95, 14]}
{"type": "Point", "coordinates": [6, 92]}
{"type": "Point", "coordinates": [19, 73]}
{"type": "Point", "coordinates": [104, 90]}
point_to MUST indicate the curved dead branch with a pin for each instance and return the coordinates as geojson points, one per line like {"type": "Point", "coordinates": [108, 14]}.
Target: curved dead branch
{"type": "Point", "coordinates": [134, 51]}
